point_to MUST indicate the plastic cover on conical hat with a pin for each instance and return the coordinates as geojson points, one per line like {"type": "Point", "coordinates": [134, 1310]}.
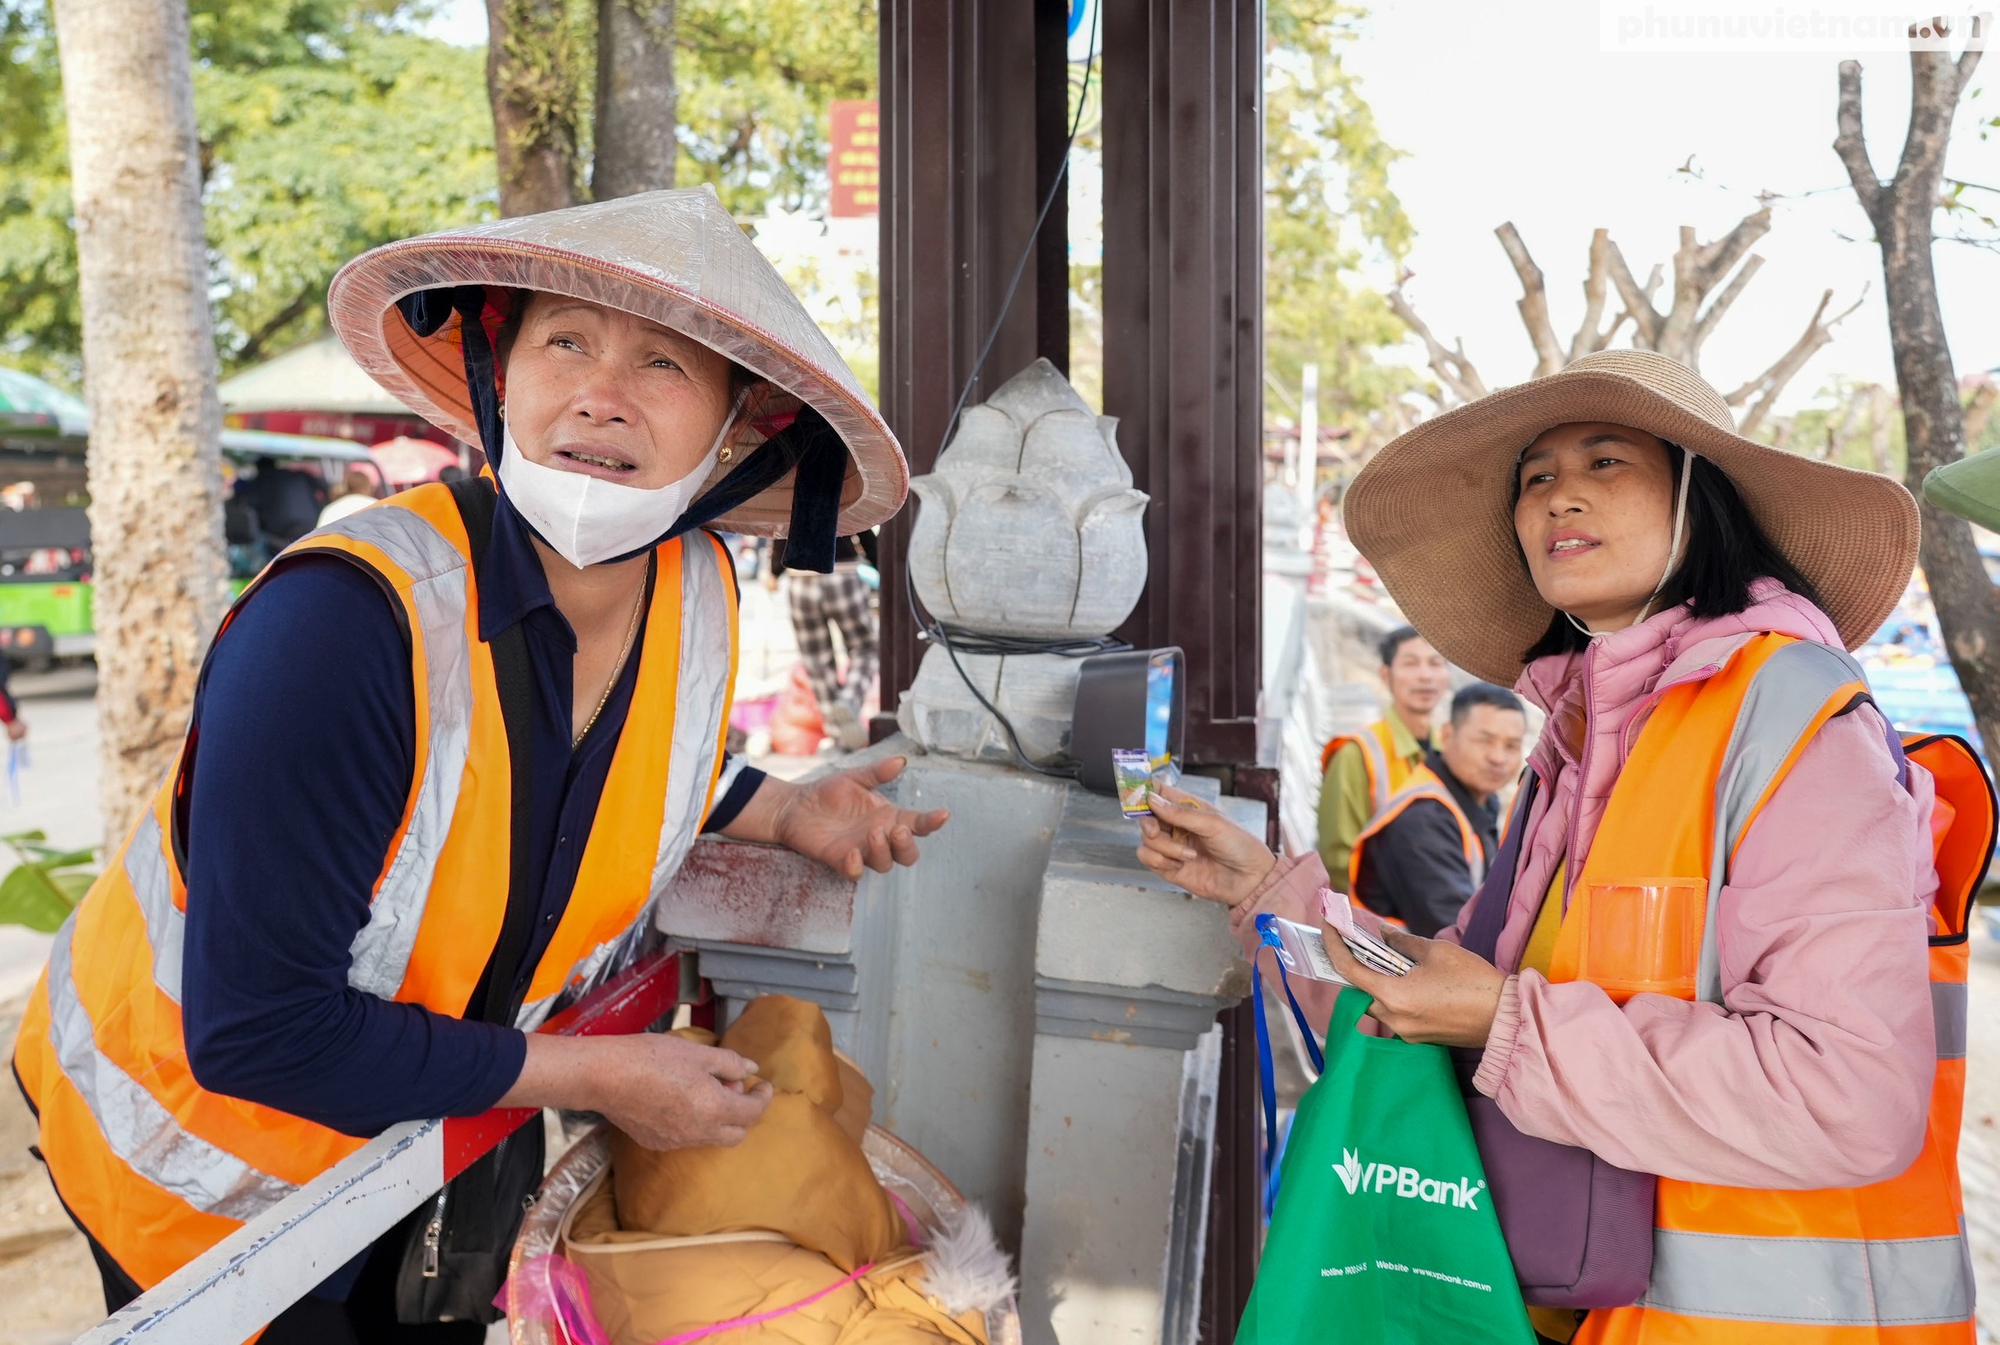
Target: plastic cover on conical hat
{"type": "Point", "coordinates": [672, 257]}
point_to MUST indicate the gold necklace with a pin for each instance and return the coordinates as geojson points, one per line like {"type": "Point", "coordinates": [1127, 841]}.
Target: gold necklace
{"type": "Point", "coordinates": [618, 669]}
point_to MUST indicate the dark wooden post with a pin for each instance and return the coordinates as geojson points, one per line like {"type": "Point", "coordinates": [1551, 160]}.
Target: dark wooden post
{"type": "Point", "coordinates": [972, 129]}
{"type": "Point", "coordinates": [1183, 372]}
{"type": "Point", "coordinates": [1183, 314]}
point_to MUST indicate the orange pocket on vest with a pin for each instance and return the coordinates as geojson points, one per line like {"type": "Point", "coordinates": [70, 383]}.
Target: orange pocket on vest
{"type": "Point", "coordinates": [1643, 936]}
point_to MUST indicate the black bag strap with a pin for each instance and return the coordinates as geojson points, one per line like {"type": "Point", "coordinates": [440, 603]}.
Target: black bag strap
{"type": "Point", "coordinates": [476, 497]}
{"type": "Point", "coordinates": [1489, 903]}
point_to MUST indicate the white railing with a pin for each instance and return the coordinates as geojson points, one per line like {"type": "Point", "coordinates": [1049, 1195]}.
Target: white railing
{"type": "Point", "coordinates": [240, 1284]}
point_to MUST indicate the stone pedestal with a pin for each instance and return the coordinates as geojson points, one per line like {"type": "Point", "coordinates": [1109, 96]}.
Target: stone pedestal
{"type": "Point", "coordinates": [1037, 693]}
{"type": "Point", "coordinates": [1035, 1011]}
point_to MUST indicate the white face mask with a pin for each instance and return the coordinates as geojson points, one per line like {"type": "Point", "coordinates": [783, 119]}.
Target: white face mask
{"type": "Point", "coordinates": [588, 520]}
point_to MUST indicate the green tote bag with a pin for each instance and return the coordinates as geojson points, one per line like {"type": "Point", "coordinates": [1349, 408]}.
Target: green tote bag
{"type": "Point", "coordinates": [1383, 1233]}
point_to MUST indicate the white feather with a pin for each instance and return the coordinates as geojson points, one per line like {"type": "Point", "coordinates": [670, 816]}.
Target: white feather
{"type": "Point", "coordinates": [964, 1268]}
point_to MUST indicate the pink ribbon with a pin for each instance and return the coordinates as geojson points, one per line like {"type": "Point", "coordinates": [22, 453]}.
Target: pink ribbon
{"type": "Point", "coordinates": [553, 1289]}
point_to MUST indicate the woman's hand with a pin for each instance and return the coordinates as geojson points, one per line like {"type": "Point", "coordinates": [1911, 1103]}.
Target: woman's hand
{"type": "Point", "coordinates": [839, 820]}
{"type": "Point", "coordinates": [1201, 850]}
{"type": "Point", "coordinates": [1448, 999]}
{"type": "Point", "coordinates": [664, 1091]}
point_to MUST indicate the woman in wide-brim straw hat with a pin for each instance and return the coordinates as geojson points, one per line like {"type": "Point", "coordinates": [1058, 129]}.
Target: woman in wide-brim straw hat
{"type": "Point", "coordinates": [1706, 949]}
{"type": "Point", "coordinates": [450, 750]}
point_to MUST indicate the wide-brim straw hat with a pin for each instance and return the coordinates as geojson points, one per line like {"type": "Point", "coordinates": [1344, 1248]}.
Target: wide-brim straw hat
{"type": "Point", "coordinates": [1430, 511]}
{"type": "Point", "coordinates": [671, 257]}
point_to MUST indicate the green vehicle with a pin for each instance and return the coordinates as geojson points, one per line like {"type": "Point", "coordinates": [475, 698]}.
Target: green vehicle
{"type": "Point", "coordinates": [45, 562]}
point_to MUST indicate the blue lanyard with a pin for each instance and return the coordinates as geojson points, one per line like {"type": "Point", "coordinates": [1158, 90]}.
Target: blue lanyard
{"type": "Point", "coordinates": [1267, 937]}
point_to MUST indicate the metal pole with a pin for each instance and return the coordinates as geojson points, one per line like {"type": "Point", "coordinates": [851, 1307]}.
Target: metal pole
{"type": "Point", "coordinates": [1308, 482]}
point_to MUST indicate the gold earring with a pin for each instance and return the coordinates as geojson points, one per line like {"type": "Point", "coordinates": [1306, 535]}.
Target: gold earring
{"type": "Point", "coordinates": [726, 454]}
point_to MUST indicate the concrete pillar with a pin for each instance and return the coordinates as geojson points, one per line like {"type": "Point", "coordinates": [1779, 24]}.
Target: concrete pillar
{"type": "Point", "coordinates": [1035, 1010]}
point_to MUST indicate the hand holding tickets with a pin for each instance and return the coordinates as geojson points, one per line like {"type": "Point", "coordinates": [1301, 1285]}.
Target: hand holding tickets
{"type": "Point", "coordinates": [1338, 912]}
{"type": "Point", "coordinates": [1139, 778]}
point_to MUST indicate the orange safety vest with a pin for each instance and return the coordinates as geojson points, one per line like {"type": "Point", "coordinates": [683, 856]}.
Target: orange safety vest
{"type": "Point", "coordinates": [1387, 771]}
{"type": "Point", "coordinates": [158, 1168]}
{"type": "Point", "coordinates": [1422, 783]}
{"type": "Point", "coordinates": [1885, 1263]}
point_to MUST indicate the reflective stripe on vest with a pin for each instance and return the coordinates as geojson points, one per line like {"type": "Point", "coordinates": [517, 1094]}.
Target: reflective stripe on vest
{"type": "Point", "coordinates": [141, 1132]}
{"type": "Point", "coordinates": [1812, 1281]}
{"type": "Point", "coordinates": [1861, 1261]}
{"type": "Point", "coordinates": [438, 595]}
{"type": "Point", "coordinates": [1423, 784]}
{"type": "Point", "coordinates": [158, 1168]}
{"type": "Point", "coordinates": [1385, 769]}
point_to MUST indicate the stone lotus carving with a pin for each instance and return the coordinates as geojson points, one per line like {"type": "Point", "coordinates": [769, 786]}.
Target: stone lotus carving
{"type": "Point", "coordinates": [1030, 525]}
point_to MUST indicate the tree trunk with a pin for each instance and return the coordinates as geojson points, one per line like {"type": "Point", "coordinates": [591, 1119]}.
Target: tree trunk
{"type": "Point", "coordinates": [1933, 425]}
{"type": "Point", "coordinates": [634, 131]}
{"type": "Point", "coordinates": [531, 80]}
{"type": "Point", "coordinates": [149, 370]}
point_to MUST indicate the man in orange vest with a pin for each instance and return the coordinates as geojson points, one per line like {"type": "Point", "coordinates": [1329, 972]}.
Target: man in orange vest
{"type": "Point", "coordinates": [1363, 770]}
{"type": "Point", "coordinates": [1421, 858]}
{"type": "Point", "coordinates": [448, 752]}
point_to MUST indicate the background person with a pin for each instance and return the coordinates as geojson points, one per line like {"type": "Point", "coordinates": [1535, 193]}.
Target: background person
{"type": "Point", "coordinates": [1363, 770]}
{"type": "Point", "coordinates": [10, 708]}
{"type": "Point", "coordinates": [1650, 568]}
{"type": "Point", "coordinates": [1419, 860]}
{"type": "Point", "coordinates": [821, 604]}
{"type": "Point", "coordinates": [287, 502]}
{"type": "Point", "coordinates": [357, 492]}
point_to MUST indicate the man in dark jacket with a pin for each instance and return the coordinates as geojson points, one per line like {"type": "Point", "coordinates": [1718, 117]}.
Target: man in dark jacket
{"type": "Point", "coordinates": [1420, 861]}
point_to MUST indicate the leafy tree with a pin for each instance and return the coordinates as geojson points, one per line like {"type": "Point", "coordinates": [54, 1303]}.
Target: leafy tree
{"type": "Point", "coordinates": [1329, 215]}
{"type": "Point", "coordinates": [313, 162]}
{"type": "Point", "coordinates": [41, 327]}
{"type": "Point", "coordinates": [755, 81]}
{"type": "Point", "coordinates": [327, 127]}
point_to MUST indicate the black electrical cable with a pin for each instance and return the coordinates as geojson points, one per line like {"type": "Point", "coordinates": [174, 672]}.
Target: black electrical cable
{"type": "Point", "coordinates": [961, 641]}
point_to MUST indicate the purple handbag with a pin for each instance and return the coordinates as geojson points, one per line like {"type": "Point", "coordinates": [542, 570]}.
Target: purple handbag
{"type": "Point", "coordinates": [1580, 1231]}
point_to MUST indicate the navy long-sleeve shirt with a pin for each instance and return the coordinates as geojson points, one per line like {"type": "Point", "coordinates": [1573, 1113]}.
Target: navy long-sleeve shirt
{"type": "Point", "coordinates": [306, 730]}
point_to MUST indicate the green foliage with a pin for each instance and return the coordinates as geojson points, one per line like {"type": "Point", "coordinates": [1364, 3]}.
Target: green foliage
{"type": "Point", "coordinates": [313, 163]}
{"type": "Point", "coordinates": [1330, 215]}
{"type": "Point", "coordinates": [326, 127]}
{"type": "Point", "coordinates": [754, 83]}
{"type": "Point", "coordinates": [40, 323]}
{"type": "Point", "coordinates": [46, 885]}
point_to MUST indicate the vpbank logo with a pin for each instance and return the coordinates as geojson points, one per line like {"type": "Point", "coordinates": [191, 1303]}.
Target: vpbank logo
{"type": "Point", "coordinates": [1406, 1182]}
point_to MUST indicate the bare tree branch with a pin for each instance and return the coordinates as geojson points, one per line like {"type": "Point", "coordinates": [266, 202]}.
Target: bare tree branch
{"type": "Point", "coordinates": [1534, 302]}
{"type": "Point", "coordinates": [1768, 385]}
{"type": "Point", "coordinates": [1698, 269]}
{"type": "Point", "coordinates": [1450, 365]}
{"type": "Point", "coordinates": [1852, 147]}
{"type": "Point", "coordinates": [1589, 338]}
{"type": "Point", "coordinates": [1714, 260]}
{"type": "Point", "coordinates": [1720, 305]}
{"type": "Point", "coordinates": [1638, 301]}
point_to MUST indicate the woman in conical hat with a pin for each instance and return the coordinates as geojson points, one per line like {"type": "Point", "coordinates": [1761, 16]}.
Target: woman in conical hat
{"type": "Point", "coordinates": [449, 750]}
{"type": "Point", "coordinates": [1722, 947]}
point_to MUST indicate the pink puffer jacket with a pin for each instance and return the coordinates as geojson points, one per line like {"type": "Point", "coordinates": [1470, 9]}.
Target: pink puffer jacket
{"type": "Point", "coordinates": [1819, 1071]}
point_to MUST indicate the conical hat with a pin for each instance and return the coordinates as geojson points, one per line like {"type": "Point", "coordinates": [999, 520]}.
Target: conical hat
{"type": "Point", "coordinates": [1430, 510]}
{"type": "Point", "coordinates": [671, 257]}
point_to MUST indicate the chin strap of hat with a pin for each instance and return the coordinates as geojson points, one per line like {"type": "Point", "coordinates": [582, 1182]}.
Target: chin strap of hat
{"type": "Point", "coordinates": [819, 455]}
{"type": "Point", "coordinates": [808, 445]}
{"type": "Point", "coordinates": [1673, 541]}
{"type": "Point", "coordinates": [427, 311]}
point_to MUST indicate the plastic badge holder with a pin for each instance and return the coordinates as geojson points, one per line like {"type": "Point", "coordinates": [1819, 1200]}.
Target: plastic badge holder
{"type": "Point", "coordinates": [1643, 936]}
